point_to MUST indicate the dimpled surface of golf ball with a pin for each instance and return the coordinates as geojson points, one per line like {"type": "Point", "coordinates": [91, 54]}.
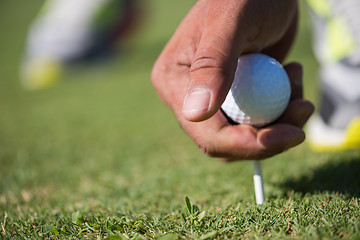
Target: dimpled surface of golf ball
{"type": "Point", "coordinates": [260, 92]}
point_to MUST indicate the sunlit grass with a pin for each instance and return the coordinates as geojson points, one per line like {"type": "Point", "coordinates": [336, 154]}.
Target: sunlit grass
{"type": "Point", "coordinates": [99, 156]}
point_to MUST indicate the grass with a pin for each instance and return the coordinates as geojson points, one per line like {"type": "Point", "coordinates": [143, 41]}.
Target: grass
{"type": "Point", "coordinates": [99, 156]}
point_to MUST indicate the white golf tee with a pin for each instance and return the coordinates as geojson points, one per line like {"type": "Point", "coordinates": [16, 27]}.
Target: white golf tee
{"type": "Point", "coordinates": [258, 183]}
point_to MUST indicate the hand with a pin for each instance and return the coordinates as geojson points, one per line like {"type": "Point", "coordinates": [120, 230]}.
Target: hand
{"type": "Point", "coordinates": [194, 73]}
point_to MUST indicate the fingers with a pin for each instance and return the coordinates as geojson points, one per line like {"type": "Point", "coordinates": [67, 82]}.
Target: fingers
{"type": "Point", "coordinates": [297, 113]}
{"type": "Point", "coordinates": [299, 110]}
{"type": "Point", "coordinates": [295, 73]}
{"type": "Point", "coordinates": [195, 71]}
{"type": "Point", "coordinates": [230, 28]}
{"type": "Point", "coordinates": [245, 142]}
{"type": "Point", "coordinates": [280, 137]}
{"type": "Point", "coordinates": [280, 49]}
{"type": "Point", "coordinates": [217, 138]}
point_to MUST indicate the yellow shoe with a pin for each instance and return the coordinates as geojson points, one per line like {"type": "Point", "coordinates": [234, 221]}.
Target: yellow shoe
{"type": "Point", "coordinates": [337, 125]}
{"type": "Point", "coordinates": [323, 138]}
{"type": "Point", "coordinates": [40, 73]}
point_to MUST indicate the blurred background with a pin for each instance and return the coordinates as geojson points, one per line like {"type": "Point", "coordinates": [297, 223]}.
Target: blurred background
{"type": "Point", "coordinates": [100, 137]}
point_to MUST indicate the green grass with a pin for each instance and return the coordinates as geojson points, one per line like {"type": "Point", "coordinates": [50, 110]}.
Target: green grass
{"type": "Point", "coordinates": [99, 156]}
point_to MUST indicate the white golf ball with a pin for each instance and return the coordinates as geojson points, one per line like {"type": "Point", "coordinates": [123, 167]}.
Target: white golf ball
{"type": "Point", "coordinates": [260, 92]}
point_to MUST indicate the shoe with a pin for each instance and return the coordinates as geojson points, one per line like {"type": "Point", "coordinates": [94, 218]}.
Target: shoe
{"type": "Point", "coordinates": [40, 73]}
{"type": "Point", "coordinates": [323, 138]}
{"type": "Point", "coordinates": [336, 127]}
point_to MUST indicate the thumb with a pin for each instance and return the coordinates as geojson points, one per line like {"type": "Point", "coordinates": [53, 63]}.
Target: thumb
{"type": "Point", "coordinates": [210, 80]}
{"type": "Point", "coordinates": [211, 74]}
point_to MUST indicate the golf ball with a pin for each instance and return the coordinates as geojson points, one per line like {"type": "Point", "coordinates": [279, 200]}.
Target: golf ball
{"type": "Point", "coordinates": [260, 92]}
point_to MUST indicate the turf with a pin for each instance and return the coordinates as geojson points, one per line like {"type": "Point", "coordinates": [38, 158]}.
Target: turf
{"type": "Point", "coordinates": [99, 156]}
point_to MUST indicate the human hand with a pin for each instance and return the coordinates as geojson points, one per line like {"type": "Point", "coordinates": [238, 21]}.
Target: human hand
{"type": "Point", "coordinates": [195, 71]}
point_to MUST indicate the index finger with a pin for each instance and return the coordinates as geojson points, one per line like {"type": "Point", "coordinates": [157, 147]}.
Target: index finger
{"type": "Point", "coordinates": [295, 73]}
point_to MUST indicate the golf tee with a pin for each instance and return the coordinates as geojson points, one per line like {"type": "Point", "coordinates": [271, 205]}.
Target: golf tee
{"type": "Point", "coordinates": [258, 183]}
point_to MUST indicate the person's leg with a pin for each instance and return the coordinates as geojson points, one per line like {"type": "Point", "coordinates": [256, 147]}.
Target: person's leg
{"type": "Point", "coordinates": [71, 31]}
{"type": "Point", "coordinates": [337, 47]}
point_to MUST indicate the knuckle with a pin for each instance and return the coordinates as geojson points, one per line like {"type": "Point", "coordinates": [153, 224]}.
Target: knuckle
{"type": "Point", "coordinates": [203, 63]}
{"type": "Point", "coordinates": [210, 59]}
{"type": "Point", "coordinates": [207, 149]}
{"type": "Point", "coordinates": [156, 73]}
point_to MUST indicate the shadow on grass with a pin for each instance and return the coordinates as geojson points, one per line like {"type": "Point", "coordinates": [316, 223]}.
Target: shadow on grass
{"type": "Point", "coordinates": [333, 177]}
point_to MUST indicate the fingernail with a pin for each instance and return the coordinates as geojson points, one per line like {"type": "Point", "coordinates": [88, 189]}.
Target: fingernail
{"type": "Point", "coordinates": [196, 102]}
